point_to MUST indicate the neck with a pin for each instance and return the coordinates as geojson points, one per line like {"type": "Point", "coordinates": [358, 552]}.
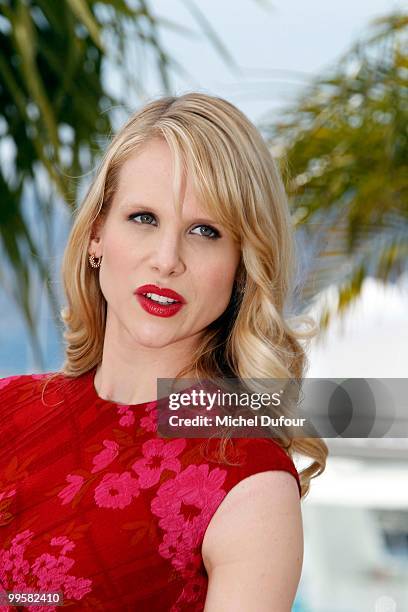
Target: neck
{"type": "Point", "coordinates": [128, 374]}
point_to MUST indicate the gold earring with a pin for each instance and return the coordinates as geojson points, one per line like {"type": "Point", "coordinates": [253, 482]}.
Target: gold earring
{"type": "Point", "coordinates": [95, 264]}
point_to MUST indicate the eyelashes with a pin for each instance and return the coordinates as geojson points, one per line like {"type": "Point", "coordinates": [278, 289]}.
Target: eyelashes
{"type": "Point", "coordinates": [144, 214]}
{"type": "Point", "coordinates": [212, 235]}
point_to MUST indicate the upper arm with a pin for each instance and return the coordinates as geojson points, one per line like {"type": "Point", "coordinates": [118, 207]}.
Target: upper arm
{"type": "Point", "coordinates": [253, 546]}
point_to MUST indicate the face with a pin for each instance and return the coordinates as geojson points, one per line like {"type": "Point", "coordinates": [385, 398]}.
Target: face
{"type": "Point", "coordinates": [144, 241]}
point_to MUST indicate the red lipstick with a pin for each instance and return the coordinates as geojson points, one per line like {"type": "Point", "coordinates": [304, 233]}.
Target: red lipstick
{"type": "Point", "coordinates": [157, 308]}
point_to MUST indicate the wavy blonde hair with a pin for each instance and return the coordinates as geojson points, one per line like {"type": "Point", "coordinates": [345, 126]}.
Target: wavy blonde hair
{"type": "Point", "coordinates": [237, 181]}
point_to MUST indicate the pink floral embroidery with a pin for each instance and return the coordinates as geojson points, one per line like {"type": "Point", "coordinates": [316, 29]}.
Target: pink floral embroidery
{"type": "Point", "coordinates": [128, 419]}
{"type": "Point", "coordinates": [116, 490]}
{"type": "Point", "coordinates": [12, 559]}
{"type": "Point", "coordinates": [105, 457]}
{"type": "Point", "coordinates": [195, 487]}
{"type": "Point", "coordinates": [185, 506]}
{"type": "Point", "coordinates": [76, 587]}
{"type": "Point", "coordinates": [63, 541]}
{"type": "Point", "coordinates": [187, 561]}
{"type": "Point", "coordinates": [171, 543]}
{"type": "Point", "coordinates": [49, 570]}
{"type": "Point", "coordinates": [183, 551]}
{"type": "Point", "coordinates": [149, 422]}
{"type": "Point", "coordinates": [194, 591]}
{"type": "Point", "coordinates": [158, 456]}
{"type": "Point", "coordinates": [69, 492]}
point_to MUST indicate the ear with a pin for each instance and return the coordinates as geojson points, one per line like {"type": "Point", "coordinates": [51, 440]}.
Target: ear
{"type": "Point", "coordinates": [96, 241]}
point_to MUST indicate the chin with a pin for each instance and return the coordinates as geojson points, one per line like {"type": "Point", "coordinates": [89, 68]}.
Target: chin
{"type": "Point", "coordinates": [154, 339]}
{"type": "Point", "coordinates": [154, 344]}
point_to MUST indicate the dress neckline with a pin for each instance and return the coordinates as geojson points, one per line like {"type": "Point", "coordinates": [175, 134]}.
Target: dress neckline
{"type": "Point", "coordinates": [90, 380]}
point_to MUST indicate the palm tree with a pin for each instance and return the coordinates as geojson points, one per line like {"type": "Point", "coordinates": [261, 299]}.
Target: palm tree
{"type": "Point", "coordinates": [56, 111]}
{"type": "Point", "coordinates": [343, 146]}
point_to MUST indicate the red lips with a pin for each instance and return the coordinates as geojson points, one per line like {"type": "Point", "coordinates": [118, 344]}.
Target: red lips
{"type": "Point", "coordinates": [168, 293]}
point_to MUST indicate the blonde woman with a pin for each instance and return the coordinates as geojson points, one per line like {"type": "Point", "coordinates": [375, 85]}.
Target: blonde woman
{"type": "Point", "coordinates": [178, 264]}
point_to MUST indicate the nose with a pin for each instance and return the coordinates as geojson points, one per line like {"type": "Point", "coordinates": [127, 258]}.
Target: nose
{"type": "Point", "coordinates": [165, 257]}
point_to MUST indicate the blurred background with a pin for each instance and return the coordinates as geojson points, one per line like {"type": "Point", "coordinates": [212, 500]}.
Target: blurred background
{"type": "Point", "coordinates": [326, 84]}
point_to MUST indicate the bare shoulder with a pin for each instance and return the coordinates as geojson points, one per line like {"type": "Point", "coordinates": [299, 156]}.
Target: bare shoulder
{"type": "Point", "coordinates": [253, 545]}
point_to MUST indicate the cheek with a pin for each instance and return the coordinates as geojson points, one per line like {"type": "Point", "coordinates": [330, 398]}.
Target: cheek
{"type": "Point", "coordinates": [115, 248]}
{"type": "Point", "coordinates": [115, 272]}
{"type": "Point", "coordinates": [120, 255]}
{"type": "Point", "coordinates": [222, 280]}
{"type": "Point", "coordinates": [217, 279]}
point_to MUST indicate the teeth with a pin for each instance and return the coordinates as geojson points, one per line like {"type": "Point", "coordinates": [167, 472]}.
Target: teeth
{"type": "Point", "coordinates": [159, 298]}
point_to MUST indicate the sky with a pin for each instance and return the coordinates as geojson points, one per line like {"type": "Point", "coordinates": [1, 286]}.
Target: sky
{"type": "Point", "coordinates": [279, 46]}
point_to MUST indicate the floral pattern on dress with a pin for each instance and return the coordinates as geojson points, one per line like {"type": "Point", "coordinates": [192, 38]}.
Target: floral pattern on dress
{"type": "Point", "coordinates": [157, 457]}
{"type": "Point", "coordinates": [159, 493]}
{"type": "Point", "coordinates": [116, 490]}
{"type": "Point", "coordinates": [149, 422]}
{"type": "Point", "coordinates": [184, 502]}
{"type": "Point", "coordinates": [68, 493]}
{"type": "Point", "coordinates": [194, 592]}
{"type": "Point", "coordinates": [105, 457]}
{"type": "Point", "coordinates": [185, 505]}
{"type": "Point", "coordinates": [47, 573]}
{"type": "Point", "coordinates": [128, 417]}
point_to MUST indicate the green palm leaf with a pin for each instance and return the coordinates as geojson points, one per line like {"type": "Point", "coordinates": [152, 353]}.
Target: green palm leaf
{"type": "Point", "coordinates": [345, 144]}
{"type": "Point", "coordinates": [55, 116]}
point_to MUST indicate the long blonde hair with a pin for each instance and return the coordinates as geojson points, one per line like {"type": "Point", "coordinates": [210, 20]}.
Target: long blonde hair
{"type": "Point", "coordinates": [236, 180]}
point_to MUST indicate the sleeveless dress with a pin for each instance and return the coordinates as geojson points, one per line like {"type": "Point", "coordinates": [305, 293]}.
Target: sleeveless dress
{"type": "Point", "coordinates": [96, 506]}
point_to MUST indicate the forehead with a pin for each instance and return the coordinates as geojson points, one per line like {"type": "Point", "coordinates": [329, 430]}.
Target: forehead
{"type": "Point", "coordinates": [149, 177]}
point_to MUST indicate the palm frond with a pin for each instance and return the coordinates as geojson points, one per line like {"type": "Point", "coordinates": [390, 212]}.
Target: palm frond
{"type": "Point", "coordinates": [345, 146]}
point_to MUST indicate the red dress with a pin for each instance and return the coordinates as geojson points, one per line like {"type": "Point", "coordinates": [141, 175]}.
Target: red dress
{"type": "Point", "coordinates": [96, 506]}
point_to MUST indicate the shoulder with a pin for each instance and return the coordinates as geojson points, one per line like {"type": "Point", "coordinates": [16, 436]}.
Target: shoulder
{"type": "Point", "coordinates": [257, 505]}
{"type": "Point", "coordinates": [26, 401]}
{"type": "Point", "coordinates": [17, 385]}
{"type": "Point", "coordinates": [47, 389]}
{"type": "Point", "coordinates": [26, 397]}
{"type": "Point", "coordinates": [255, 538]}
{"type": "Point", "coordinates": [262, 455]}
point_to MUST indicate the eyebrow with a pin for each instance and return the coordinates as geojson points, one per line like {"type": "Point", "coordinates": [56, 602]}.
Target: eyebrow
{"type": "Point", "coordinates": [128, 206]}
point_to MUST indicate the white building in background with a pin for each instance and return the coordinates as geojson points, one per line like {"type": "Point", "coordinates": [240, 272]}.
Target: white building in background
{"type": "Point", "coordinates": [356, 515]}
{"type": "Point", "coordinates": [356, 531]}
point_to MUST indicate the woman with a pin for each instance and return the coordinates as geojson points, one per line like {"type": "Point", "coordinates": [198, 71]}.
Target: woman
{"type": "Point", "coordinates": [178, 265]}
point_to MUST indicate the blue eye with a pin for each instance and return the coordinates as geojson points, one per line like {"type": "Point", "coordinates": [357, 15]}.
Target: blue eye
{"type": "Point", "coordinates": [147, 218]}
{"type": "Point", "coordinates": [144, 215]}
{"type": "Point", "coordinates": [213, 232]}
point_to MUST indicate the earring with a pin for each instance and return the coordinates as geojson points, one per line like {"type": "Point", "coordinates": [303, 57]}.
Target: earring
{"type": "Point", "coordinates": [95, 264]}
